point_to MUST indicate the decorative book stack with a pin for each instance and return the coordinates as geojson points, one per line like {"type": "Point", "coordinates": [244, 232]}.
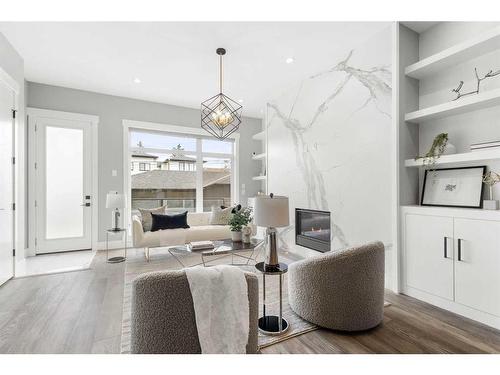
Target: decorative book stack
{"type": "Point", "coordinates": [485, 146]}
{"type": "Point", "coordinates": [201, 245]}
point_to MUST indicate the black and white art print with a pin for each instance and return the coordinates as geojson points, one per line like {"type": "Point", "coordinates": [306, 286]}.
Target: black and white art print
{"type": "Point", "coordinates": [453, 187]}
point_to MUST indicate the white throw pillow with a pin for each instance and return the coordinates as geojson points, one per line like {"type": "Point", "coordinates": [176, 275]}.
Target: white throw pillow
{"type": "Point", "coordinates": [220, 216]}
{"type": "Point", "coordinates": [147, 219]}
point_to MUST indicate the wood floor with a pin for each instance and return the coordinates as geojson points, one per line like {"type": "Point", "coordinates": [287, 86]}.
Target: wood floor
{"type": "Point", "coordinates": [80, 312]}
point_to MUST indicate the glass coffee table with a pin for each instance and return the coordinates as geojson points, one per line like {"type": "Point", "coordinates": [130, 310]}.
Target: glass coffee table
{"type": "Point", "coordinates": [222, 249]}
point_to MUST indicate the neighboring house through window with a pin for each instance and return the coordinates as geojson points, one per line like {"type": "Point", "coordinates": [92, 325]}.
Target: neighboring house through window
{"type": "Point", "coordinates": [167, 165]}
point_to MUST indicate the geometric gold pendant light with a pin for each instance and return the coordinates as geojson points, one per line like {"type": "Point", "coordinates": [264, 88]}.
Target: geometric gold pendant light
{"type": "Point", "coordinates": [220, 115]}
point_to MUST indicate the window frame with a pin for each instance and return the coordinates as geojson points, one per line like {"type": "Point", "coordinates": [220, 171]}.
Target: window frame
{"type": "Point", "coordinates": [188, 132]}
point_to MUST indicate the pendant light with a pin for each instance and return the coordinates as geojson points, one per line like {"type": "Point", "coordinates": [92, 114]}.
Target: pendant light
{"type": "Point", "coordinates": [220, 115]}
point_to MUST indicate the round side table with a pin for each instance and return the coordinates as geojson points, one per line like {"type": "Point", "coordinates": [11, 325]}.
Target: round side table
{"type": "Point", "coordinates": [272, 324]}
{"type": "Point", "coordinates": [117, 259]}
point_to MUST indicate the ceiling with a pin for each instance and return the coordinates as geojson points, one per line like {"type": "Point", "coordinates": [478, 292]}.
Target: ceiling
{"type": "Point", "coordinates": [419, 26]}
{"type": "Point", "coordinates": [176, 62]}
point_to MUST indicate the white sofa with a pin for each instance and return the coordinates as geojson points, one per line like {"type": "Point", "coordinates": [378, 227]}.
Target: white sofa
{"type": "Point", "coordinates": [200, 230]}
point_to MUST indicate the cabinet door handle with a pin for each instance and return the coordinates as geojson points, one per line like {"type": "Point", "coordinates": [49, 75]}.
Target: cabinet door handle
{"type": "Point", "coordinates": [459, 242]}
{"type": "Point", "coordinates": [445, 247]}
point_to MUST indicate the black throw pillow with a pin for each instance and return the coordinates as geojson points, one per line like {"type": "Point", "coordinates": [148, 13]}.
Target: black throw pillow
{"type": "Point", "coordinates": [169, 221]}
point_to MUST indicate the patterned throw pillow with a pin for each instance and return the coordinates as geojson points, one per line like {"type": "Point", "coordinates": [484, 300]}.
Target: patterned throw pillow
{"type": "Point", "coordinates": [220, 216]}
{"type": "Point", "coordinates": [146, 218]}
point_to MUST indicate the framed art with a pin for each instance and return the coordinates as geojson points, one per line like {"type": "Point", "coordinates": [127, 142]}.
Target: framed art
{"type": "Point", "coordinates": [454, 187]}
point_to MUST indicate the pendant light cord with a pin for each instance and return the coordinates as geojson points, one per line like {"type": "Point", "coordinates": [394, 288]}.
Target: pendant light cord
{"type": "Point", "coordinates": [220, 73]}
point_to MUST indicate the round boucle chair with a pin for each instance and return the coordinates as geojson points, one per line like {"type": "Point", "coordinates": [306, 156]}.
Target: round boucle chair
{"type": "Point", "coordinates": [342, 290]}
{"type": "Point", "coordinates": [163, 319]}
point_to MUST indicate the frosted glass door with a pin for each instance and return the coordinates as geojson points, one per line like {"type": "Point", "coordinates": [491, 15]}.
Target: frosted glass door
{"type": "Point", "coordinates": [6, 185]}
{"type": "Point", "coordinates": [64, 179]}
{"type": "Point", "coordinates": [63, 186]}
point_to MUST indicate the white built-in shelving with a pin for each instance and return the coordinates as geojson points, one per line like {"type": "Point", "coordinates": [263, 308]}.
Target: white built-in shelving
{"type": "Point", "coordinates": [475, 156]}
{"type": "Point", "coordinates": [473, 47]}
{"type": "Point", "coordinates": [259, 136]}
{"type": "Point", "coordinates": [259, 156]}
{"type": "Point", "coordinates": [259, 178]}
{"type": "Point", "coordinates": [466, 104]}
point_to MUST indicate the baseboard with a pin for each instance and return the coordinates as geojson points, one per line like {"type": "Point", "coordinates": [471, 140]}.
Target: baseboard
{"type": "Point", "coordinates": [454, 307]}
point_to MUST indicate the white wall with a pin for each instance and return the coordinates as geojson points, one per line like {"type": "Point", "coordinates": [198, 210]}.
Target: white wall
{"type": "Point", "coordinates": [112, 110]}
{"type": "Point", "coordinates": [12, 63]}
{"type": "Point", "coordinates": [477, 126]}
{"type": "Point", "coordinates": [329, 145]}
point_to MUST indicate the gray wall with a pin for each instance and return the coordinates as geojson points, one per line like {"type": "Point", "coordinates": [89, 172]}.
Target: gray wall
{"type": "Point", "coordinates": [112, 110]}
{"type": "Point", "coordinates": [12, 63]}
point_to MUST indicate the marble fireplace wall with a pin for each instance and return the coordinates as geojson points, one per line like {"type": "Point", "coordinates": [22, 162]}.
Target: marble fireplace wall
{"type": "Point", "coordinates": [329, 145]}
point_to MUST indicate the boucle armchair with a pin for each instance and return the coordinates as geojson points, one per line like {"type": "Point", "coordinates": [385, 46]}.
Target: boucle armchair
{"type": "Point", "coordinates": [342, 290]}
{"type": "Point", "coordinates": [163, 320]}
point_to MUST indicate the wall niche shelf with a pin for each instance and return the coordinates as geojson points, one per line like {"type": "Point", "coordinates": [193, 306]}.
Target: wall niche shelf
{"type": "Point", "coordinates": [479, 45]}
{"type": "Point", "coordinates": [466, 104]}
{"type": "Point", "coordinates": [474, 156]}
{"type": "Point", "coordinates": [259, 178]}
{"type": "Point", "coordinates": [259, 156]}
{"type": "Point", "coordinates": [261, 136]}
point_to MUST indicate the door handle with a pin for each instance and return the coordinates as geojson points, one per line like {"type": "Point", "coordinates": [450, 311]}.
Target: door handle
{"type": "Point", "coordinates": [445, 247]}
{"type": "Point", "coordinates": [459, 242]}
{"type": "Point", "coordinates": [85, 204]}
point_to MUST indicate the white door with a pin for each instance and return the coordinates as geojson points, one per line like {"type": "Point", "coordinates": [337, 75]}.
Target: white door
{"type": "Point", "coordinates": [63, 184]}
{"type": "Point", "coordinates": [429, 254]}
{"type": "Point", "coordinates": [477, 264]}
{"type": "Point", "coordinates": [6, 184]}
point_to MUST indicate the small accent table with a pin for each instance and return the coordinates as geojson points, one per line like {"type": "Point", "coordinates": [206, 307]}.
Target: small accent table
{"type": "Point", "coordinates": [117, 259]}
{"type": "Point", "coordinates": [272, 324]}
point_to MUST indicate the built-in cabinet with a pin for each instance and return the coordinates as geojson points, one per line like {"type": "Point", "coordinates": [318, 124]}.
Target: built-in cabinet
{"type": "Point", "coordinates": [429, 254]}
{"type": "Point", "coordinates": [477, 264]}
{"type": "Point", "coordinates": [452, 259]}
{"type": "Point", "coordinates": [449, 257]}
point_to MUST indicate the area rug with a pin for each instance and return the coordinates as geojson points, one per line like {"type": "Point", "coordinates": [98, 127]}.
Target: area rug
{"type": "Point", "coordinates": [162, 260]}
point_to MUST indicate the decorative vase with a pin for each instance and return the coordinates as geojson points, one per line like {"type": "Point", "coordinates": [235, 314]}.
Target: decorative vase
{"type": "Point", "coordinates": [489, 204]}
{"type": "Point", "coordinates": [236, 236]}
{"type": "Point", "coordinates": [246, 234]}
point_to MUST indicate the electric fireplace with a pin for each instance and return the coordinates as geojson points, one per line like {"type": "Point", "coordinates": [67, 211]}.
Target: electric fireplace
{"type": "Point", "coordinates": [312, 229]}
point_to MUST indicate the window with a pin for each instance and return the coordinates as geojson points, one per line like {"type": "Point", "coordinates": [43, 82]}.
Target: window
{"type": "Point", "coordinates": [216, 182]}
{"type": "Point", "coordinates": [176, 182]}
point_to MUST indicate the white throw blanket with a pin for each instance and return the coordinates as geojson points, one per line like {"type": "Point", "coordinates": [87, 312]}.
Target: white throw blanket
{"type": "Point", "coordinates": [220, 298]}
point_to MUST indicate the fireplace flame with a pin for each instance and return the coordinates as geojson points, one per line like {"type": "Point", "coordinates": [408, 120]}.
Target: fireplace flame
{"type": "Point", "coordinates": [315, 230]}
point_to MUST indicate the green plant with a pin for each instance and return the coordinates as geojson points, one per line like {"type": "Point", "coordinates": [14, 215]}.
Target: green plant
{"type": "Point", "coordinates": [240, 219]}
{"type": "Point", "coordinates": [437, 148]}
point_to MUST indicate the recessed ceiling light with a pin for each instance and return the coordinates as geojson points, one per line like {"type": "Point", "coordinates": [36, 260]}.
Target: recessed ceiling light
{"type": "Point", "coordinates": [240, 100]}
{"type": "Point", "coordinates": [289, 60]}
{"type": "Point", "coordinates": [137, 80]}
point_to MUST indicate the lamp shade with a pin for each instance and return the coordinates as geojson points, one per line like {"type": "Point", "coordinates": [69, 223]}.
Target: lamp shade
{"type": "Point", "coordinates": [271, 211]}
{"type": "Point", "coordinates": [114, 200]}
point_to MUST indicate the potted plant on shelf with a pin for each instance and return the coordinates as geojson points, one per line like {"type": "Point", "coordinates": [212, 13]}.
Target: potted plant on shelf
{"type": "Point", "coordinates": [239, 220]}
{"type": "Point", "coordinates": [440, 146]}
